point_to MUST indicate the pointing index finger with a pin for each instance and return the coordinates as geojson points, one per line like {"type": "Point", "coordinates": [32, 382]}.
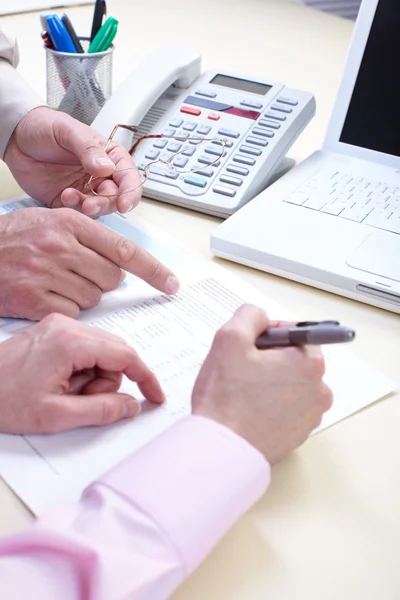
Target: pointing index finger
{"type": "Point", "coordinates": [126, 254]}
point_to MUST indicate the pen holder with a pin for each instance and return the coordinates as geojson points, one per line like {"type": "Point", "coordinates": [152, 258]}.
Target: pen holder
{"type": "Point", "coordinates": [79, 84]}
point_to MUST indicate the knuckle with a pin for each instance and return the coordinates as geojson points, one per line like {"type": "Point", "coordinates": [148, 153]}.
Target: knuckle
{"type": "Point", "coordinates": [126, 251]}
{"type": "Point", "coordinates": [90, 297]}
{"type": "Point", "coordinates": [111, 277]}
{"type": "Point", "coordinates": [109, 412]}
{"type": "Point", "coordinates": [326, 398]}
{"type": "Point", "coordinates": [154, 270]}
{"type": "Point", "coordinates": [228, 336]}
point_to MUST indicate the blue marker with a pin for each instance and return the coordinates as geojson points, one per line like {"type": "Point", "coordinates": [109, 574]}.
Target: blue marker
{"type": "Point", "coordinates": [59, 35]}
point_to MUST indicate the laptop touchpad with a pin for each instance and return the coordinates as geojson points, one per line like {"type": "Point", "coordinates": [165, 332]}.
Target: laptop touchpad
{"type": "Point", "coordinates": [379, 254]}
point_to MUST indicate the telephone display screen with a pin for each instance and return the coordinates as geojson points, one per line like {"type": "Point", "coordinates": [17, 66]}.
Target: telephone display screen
{"type": "Point", "coordinates": [241, 84]}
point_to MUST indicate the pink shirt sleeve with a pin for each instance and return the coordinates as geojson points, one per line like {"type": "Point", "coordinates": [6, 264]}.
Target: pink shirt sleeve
{"type": "Point", "coordinates": [144, 526]}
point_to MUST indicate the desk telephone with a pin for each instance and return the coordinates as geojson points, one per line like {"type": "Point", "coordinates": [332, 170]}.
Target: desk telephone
{"type": "Point", "coordinates": [258, 119]}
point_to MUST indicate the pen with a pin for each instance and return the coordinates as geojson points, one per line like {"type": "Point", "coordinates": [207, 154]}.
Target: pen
{"type": "Point", "coordinates": [71, 31]}
{"type": "Point", "coordinates": [59, 35]}
{"type": "Point", "coordinates": [104, 36]}
{"type": "Point", "coordinates": [305, 333]}
{"type": "Point", "coordinates": [100, 10]}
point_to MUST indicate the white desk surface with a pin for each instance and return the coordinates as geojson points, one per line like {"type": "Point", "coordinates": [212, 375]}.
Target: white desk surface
{"type": "Point", "coordinates": [329, 526]}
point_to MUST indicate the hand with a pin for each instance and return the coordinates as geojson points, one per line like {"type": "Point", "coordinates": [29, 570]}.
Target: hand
{"type": "Point", "coordinates": [272, 398]}
{"type": "Point", "coordinates": [52, 155]}
{"type": "Point", "coordinates": [62, 261]}
{"type": "Point", "coordinates": [61, 374]}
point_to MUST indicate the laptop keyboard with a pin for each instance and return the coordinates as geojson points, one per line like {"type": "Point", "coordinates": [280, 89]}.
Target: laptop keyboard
{"type": "Point", "coordinates": [351, 197]}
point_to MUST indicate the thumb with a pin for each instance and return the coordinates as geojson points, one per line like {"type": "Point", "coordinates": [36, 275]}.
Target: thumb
{"type": "Point", "coordinates": [94, 409]}
{"type": "Point", "coordinates": [87, 145]}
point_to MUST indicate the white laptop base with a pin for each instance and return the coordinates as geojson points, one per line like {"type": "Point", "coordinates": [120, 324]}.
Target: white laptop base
{"type": "Point", "coordinates": [307, 245]}
{"type": "Point", "coordinates": [333, 222]}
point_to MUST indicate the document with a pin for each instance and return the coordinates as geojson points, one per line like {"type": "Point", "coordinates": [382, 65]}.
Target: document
{"type": "Point", "coordinates": [173, 336]}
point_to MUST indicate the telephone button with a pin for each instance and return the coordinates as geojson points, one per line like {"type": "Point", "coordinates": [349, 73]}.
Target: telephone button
{"type": "Point", "coordinates": [270, 124]}
{"type": "Point", "coordinates": [189, 151]}
{"type": "Point", "coordinates": [214, 116]}
{"type": "Point", "coordinates": [250, 150]}
{"type": "Point", "coordinates": [152, 154]}
{"type": "Point", "coordinates": [198, 170]}
{"type": "Point", "coordinates": [160, 144]}
{"type": "Point", "coordinates": [221, 189]}
{"type": "Point", "coordinates": [164, 172]}
{"type": "Point", "coordinates": [229, 133]}
{"type": "Point", "coordinates": [197, 181]}
{"type": "Point", "coordinates": [280, 108]}
{"type": "Point", "coordinates": [263, 132]}
{"type": "Point", "coordinates": [203, 129]}
{"type": "Point", "coordinates": [276, 116]}
{"type": "Point", "coordinates": [206, 93]}
{"type": "Point", "coordinates": [232, 180]}
{"type": "Point", "coordinates": [251, 104]}
{"type": "Point", "coordinates": [244, 160]}
{"type": "Point", "coordinates": [287, 101]}
{"type": "Point", "coordinates": [174, 147]}
{"type": "Point", "coordinates": [176, 122]}
{"type": "Point", "coordinates": [190, 110]}
{"type": "Point", "coordinates": [190, 126]}
{"type": "Point", "coordinates": [256, 141]}
{"type": "Point", "coordinates": [237, 170]}
{"type": "Point", "coordinates": [208, 160]}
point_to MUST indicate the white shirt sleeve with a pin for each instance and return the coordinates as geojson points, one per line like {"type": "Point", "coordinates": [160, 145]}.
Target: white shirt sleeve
{"type": "Point", "coordinates": [16, 97]}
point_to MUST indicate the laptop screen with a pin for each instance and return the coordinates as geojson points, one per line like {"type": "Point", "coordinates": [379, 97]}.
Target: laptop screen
{"type": "Point", "coordinates": [373, 116]}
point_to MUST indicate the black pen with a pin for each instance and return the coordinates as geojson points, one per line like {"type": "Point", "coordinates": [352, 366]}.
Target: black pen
{"type": "Point", "coordinates": [69, 27]}
{"type": "Point", "coordinates": [306, 333]}
{"type": "Point", "coordinates": [100, 9]}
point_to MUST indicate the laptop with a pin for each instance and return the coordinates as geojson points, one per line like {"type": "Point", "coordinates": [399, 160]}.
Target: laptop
{"type": "Point", "coordinates": [333, 222]}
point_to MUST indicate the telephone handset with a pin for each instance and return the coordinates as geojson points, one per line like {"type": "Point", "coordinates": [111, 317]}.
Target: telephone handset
{"type": "Point", "coordinates": [259, 119]}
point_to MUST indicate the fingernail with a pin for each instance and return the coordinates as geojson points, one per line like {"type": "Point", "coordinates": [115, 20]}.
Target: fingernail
{"type": "Point", "coordinates": [172, 285]}
{"type": "Point", "coordinates": [103, 161]}
{"type": "Point", "coordinates": [123, 275]}
{"type": "Point", "coordinates": [131, 408]}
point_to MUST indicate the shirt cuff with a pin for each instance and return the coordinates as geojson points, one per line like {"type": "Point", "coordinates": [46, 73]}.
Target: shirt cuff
{"type": "Point", "coordinates": [194, 480]}
{"type": "Point", "coordinates": [16, 100]}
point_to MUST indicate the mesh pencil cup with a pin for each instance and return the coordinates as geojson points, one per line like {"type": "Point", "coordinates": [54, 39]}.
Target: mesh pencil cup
{"type": "Point", "coordinates": [79, 84]}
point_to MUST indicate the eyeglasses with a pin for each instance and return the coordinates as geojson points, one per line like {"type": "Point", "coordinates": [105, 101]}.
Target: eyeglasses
{"type": "Point", "coordinates": [170, 160]}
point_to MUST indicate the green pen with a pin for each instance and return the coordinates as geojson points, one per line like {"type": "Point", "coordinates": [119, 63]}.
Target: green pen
{"type": "Point", "coordinates": [104, 37]}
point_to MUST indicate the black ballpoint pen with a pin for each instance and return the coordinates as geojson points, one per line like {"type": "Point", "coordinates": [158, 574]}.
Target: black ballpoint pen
{"type": "Point", "coordinates": [100, 9]}
{"type": "Point", "coordinates": [302, 334]}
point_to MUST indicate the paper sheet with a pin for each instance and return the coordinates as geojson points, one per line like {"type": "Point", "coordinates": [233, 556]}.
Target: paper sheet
{"type": "Point", "coordinates": [173, 336]}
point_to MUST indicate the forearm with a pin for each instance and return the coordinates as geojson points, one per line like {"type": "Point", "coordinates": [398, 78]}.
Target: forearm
{"type": "Point", "coordinates": [146, 525]}
{"type": "Point", "coordinates": [16, 97]}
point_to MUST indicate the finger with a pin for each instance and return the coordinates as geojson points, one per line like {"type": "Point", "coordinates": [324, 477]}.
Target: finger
{"type": "Point", "coordinates": [86, 144]}
{"type": "Point", "coordinates": [78, 289]}
{"type": "Point", "coordinates": [127, 178]}
{"type": "Point", "coordinates": [96, 269]}
{"type": "Point", "coordinates": [106, 383]}
{"type": "Point", "coordinates": [70, 412]}
{"type": "Point", "coordinates": [127, 255]}
{"type": "Point", "coordinates": [88, 204]}
{"type": "Point", "coordinates": [110, 356]}
{"type": "Point", "coordinates": [250, 321]}
{"type": "Point", "coordinates": [52, 303]}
